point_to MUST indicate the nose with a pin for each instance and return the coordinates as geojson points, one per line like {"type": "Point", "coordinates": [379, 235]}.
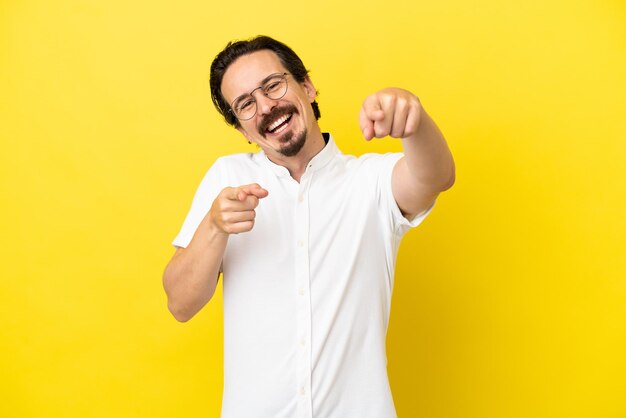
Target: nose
{"type": "Point", "coordinates": [264, 104]}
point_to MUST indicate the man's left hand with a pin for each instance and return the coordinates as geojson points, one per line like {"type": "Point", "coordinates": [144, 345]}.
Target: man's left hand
{"type": "Point", "coordinates": [390, 112]}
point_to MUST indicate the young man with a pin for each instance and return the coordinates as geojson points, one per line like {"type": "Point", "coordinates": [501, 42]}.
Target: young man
{"type": "Point", "coordinates": [306, 238]}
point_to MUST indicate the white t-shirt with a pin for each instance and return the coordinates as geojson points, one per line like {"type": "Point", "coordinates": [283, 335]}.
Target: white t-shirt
{"type": "Point", "coordinates": [307, 292]}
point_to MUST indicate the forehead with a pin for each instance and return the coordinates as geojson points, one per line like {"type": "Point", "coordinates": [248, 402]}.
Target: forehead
{"type": "Point", "coordinates": [247, 72]}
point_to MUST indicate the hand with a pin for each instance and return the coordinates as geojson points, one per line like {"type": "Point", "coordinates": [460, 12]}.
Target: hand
{"type": "Point", "coordinates": [392, 111]}
{"type": "Point", "coordinates": [233, 209]}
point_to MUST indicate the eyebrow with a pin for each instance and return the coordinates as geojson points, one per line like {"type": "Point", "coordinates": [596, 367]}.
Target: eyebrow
{"type": "Point", "coordinates": [265, 80]}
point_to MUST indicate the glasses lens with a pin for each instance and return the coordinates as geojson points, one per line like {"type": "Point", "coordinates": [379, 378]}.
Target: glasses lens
{"type": "Point", "coordinates": [276, 87]}
{"type": "Point", "coordinates": [245, 108]}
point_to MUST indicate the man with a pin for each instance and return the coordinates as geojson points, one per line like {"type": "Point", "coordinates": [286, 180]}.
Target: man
{"type": "Point", "coordinates": [306, 238]}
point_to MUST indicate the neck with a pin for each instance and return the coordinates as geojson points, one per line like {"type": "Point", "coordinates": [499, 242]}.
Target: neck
{"type": "Point", "coordinates": [298, 163]}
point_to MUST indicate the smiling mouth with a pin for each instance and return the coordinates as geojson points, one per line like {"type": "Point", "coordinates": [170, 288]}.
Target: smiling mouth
{"type": "Point", "coordinates": [278, 120]}
{"type": "Point", "coordinates": [279, 124]}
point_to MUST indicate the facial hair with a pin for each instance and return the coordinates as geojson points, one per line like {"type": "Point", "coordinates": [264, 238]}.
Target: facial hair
{"type": "Point", "coordinates": [291, 143]}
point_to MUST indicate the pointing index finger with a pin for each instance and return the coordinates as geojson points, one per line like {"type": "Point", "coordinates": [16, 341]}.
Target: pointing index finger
{"type": "Point", "coordinates": [367, 126]}
{"type": "Point", "coordinates": [373, 108]}
{"type": "Point", "coordinates": [251, 189]}
{"type": "Point", "coordinates": [371, 112]}
{"type": "Point", "coordinates": [255, 189]}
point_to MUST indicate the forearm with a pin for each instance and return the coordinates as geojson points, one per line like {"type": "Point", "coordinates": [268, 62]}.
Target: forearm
{"type": "Point", "coordinates": [427, 167]}
{"type": "Point", "coordinates": [190, 277]}
{"type": "Point", "coordinates": [426, 170]}
{"type": "Point", "coordinates": [429, 162]}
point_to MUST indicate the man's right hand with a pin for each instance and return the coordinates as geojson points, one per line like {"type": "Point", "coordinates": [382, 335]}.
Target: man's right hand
{"type": "Point", "coordinates": [233, 209]}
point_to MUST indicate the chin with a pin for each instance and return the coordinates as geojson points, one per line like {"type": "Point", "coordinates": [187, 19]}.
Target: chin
{"type": "Point", "coordinates": [293, 143]}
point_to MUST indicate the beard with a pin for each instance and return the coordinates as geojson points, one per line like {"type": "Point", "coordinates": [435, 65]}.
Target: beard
{"type": "Point", "coordinates": [290, 143]}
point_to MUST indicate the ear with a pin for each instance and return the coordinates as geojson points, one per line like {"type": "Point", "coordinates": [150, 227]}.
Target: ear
{"type": "Point", "coordinates": [309, 89]}
{"type": "Point", "coordinates": [244, 133]}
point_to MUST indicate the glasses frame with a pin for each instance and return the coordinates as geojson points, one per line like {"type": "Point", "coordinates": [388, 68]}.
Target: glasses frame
{"type": "Point", "coordinates": [283, 76]}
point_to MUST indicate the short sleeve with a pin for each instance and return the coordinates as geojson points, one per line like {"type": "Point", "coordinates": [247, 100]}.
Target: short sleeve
{"type": "Point", "coordinates": [401, 224]}
{"type": "Point", "coordinates": [210, 186]}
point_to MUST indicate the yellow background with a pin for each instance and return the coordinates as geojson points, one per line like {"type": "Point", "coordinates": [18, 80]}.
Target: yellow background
{"type": "Point", "coordinates": [510, 300]}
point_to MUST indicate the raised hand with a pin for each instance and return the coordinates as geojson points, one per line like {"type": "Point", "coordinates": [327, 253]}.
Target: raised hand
{"type": "Point", "coordinates": [233, 210]}
{"type": "Point", "coordinates": [390, 112]}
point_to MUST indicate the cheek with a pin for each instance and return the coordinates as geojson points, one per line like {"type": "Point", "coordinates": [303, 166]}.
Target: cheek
{"type": "Point", "coordinates": [248, 131]}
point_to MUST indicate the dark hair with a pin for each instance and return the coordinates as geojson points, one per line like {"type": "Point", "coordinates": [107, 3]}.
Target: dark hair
{"type": "Point", "coordinates": [234, 50]}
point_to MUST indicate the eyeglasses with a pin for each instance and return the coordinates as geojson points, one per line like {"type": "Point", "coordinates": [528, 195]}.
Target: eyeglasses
{"type": "Point", "coordinates": [273, 87]}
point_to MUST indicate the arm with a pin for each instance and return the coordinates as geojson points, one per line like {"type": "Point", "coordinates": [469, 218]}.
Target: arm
{"type": "Point", "coordinates": [190, 277]}
{"type": "Point", "coordinates": [427, 167]}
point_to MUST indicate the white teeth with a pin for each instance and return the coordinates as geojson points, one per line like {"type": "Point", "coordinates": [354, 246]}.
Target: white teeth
{"type": "Point", "coordinates": [280, 129]}
{"type": "Point", "coordinates": [277, 122]}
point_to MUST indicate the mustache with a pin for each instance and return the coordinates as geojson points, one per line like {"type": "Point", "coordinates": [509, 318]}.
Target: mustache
{"type": "Point", "coordinates": [275, 114]}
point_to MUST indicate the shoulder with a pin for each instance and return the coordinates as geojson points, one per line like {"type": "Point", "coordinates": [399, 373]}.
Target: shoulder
{"type": "Point", "coordinates": [236, 159]}
{"type": "Point", "coordinates": [369, 162]}
{"type": "Point", "coordinates": [242, 162]}
{"type": "Point", "coordinates": [373, 161]}
{"type": "Point", "coordinates": [223, 167]}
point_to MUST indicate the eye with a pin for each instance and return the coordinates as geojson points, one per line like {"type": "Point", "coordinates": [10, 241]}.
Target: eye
{"type": "Point", "coordinates": [245, 104]}
{"type": "Point", "coordinates": [272, 86]}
